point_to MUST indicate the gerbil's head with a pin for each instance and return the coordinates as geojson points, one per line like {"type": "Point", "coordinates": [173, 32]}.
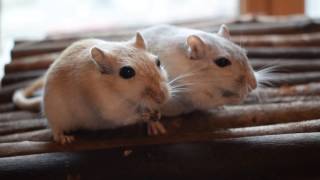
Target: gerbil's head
{"type": "Point", "coordinates": [219, 72]}
{"type": "Point", "coordinates": [131, 73]}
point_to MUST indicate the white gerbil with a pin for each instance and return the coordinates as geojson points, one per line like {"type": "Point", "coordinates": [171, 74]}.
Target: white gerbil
{"type": "Point", "coordinates": [96, 84]}
{"type": "Point", "coordinates": [206, 70]}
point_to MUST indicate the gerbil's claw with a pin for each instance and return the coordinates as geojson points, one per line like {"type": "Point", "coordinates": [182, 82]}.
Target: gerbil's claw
{"type": "Point", "coordinates": [155, 128]}
{"type": "Point", "coordinates": [63, 139]}
{"type": "Point", "coordinates": [145, 116]}
{"type": "Point", "coordinates": [148, 114]}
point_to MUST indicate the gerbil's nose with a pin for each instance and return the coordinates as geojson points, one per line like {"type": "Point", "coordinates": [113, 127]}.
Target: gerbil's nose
{"type": "Point", "coordinates": [157, 95]}
{"type": "Point", "coordinates": [252, 82]}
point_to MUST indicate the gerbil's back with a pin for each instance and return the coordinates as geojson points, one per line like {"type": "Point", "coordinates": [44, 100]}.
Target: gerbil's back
{"type": "Point", "coordinates": [162, 36]}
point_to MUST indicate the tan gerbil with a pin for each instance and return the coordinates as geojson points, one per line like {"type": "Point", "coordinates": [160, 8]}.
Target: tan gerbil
{"type": "Point", "coordinates": [206, 70]}
{"type": "Point", "coordinates": [96, 84]}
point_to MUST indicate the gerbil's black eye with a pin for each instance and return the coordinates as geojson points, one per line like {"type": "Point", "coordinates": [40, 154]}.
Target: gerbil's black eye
{"type": "Point", "coordinates": [222, 62]}
{"type": "Point", "coordinates": [127, 72]}
{"type": "Point", "coordinates": [158, 62]}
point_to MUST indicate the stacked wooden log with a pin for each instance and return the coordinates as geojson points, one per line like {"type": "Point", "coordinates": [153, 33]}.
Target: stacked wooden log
{"type": "Point", "coordinates": [274, 133]}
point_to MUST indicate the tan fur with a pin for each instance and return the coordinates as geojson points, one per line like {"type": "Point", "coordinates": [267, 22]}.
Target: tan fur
{"type": "Point", "coordinates": [83, 88]}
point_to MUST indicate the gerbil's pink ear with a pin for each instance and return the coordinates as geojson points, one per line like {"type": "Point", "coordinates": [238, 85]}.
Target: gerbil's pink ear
{"type": "Point", "coordinates": [224, 31]}
{"type": "Point", "coordinates": [101, 59]}
{"type": "Point", "coordinates": [139, 41]}
{"type": "Point", "coordinates": [196, 47]}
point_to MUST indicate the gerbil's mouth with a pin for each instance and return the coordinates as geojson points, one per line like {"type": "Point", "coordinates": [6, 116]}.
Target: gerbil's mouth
{"type": "Point", "coordinates": [158, 98]}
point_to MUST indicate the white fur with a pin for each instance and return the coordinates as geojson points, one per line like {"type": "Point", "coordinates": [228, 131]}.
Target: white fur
{"type": "Point", "coordinates": [199, 81]}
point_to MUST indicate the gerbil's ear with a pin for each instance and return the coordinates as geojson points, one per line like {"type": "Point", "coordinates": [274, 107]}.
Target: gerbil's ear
{"type": "Point", "coordinates": [139, 41]}
{"type": "Point", "coordinates": [224, 31]}
{"type": "Point", "coordinates": [196, 47]}
{"type": "Point", "coordinates": [101, 59]}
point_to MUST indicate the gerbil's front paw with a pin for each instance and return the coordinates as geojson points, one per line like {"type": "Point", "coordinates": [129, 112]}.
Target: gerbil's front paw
{"type": "Point", "coordinates": [63, 139]}
{"type": "Point", "coordinates": [156, 128]}
{"type": "Point", "coordinates": [150, 115]}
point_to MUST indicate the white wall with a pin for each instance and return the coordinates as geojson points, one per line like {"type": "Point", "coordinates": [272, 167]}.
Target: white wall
{"type": "Point", "coordinates": [35, 18]}
{"type": "Point", "coordinates": [312, 8]}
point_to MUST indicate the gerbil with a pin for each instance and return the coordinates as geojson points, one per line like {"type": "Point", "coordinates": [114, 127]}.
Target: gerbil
{"type": "Point", "coordinates": [96, 84]}
{"type": "Point", "coordinates": [206, 70]}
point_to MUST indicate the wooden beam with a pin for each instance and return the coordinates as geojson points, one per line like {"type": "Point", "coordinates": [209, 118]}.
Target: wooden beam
{"type": "Point", "coordinates": [288, 156]}
{"type": "Point", "coordinates": [272, 7]}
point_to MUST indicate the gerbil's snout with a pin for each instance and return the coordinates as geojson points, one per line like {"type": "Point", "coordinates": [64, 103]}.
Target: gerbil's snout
{"type": "Point", "coordinates": [252, 82]}
{"type": "Point", "coordinates": [158, 94]}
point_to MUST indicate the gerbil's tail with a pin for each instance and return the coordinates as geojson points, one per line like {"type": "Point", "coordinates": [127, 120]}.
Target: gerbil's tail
{"type": "Point", "coordinates": [22, 97]}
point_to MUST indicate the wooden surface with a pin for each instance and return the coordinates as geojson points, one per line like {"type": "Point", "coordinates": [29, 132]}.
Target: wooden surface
{"type": "Point", "coordinates": [274, 134]}
{"type": "Point", "coordinates": [272, 7]}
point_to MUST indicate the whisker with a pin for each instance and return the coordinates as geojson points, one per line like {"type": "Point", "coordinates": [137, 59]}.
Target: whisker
{"type": "Point", "coordinates": [266, 76]}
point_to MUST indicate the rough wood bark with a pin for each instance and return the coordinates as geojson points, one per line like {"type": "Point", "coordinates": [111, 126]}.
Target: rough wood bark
{"type": "Point", "coordinates": [31, 147]}
{"type": "Point", "coordinates": [6, 107]}
{"type": "Point", "coordinates": [7, 91]}
{"type": "Point", "coordinates": [18, 115]}
{"type": "Point", "coordinates": [21, 76]}
{"type": "Point", "coordinates": [295, 78]}
{"type": "Point", "coordinates": [296, 40]}
{"type": "Point", "coordinates": [22, 126]}
{"type": "Point", "coordinates": [285, 128]}
{"type": "Point", "coordinates": [261, 99]}
{"type": "Point", "coordinates": [289, 157]}
{"type": "Point", "coordinates": [34, 135]}
{"type": "Point", "coordinates": [284, 52]}
{"type": "Point", "coordinates": [287, 65]}
{"type": "Point", "coordinates": [46, 46]}
{"type": "Point", "coordinates": [309, 89]}
{"type": "Point", "coordinates": [294, 127]}
{"type": "Point", "coordinates": [22, 66]}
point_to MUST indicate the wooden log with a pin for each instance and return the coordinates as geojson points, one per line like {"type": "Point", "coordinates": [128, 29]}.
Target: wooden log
{"type": "Point", "coordinates": [21, 76]}
{"type": "Point", "coordinates": [23, 50]}
{"type": "Point", "coordinates": [35, 58]}
{"type": "Point", "coordinates": [32, 48]}
{"type": "Point", "coordinates": [6, 107]}
{"type": "Point", "coordinates": [18, 115]}
{"type": "Point", "coordinates": [35, 135]}
{"type": "Point", "coordinates": [287, 65]}
{"type": "Point", "coordinates": [273, 28]}
{"type": "Point", "coordinates": [295, 78]}
{"type": "Point", "coordinates": [21, 66]}
{"type": "Point", "coordinates": [295, 40]}
{"type": "Point", "coordinates": [256, 99]}
{"type": "Point", "coordinates": [247, 115]}
{"type": "Point", "coordinates": [32, 147]}
{"type": "Point", "coordinates": [309, 89]}
{"type": "Point", "coordinates": [284, 52]}
{"type": "Point", "coordinates": [22, 126]}
{"type": "Point", "coordinates": [285, 128]}
{"type": "Point", "coordinates": [231, 117]}
{"type": "Point", "coordinates": [291, 156]}
{"type": "Point", "coordinates": [7, 91]}
{"type": "Point", "coordinates": [188, 127]}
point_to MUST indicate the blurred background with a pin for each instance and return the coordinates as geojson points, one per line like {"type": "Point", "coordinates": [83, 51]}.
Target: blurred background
{"type": "Point", "coordinates": [35, 19]}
